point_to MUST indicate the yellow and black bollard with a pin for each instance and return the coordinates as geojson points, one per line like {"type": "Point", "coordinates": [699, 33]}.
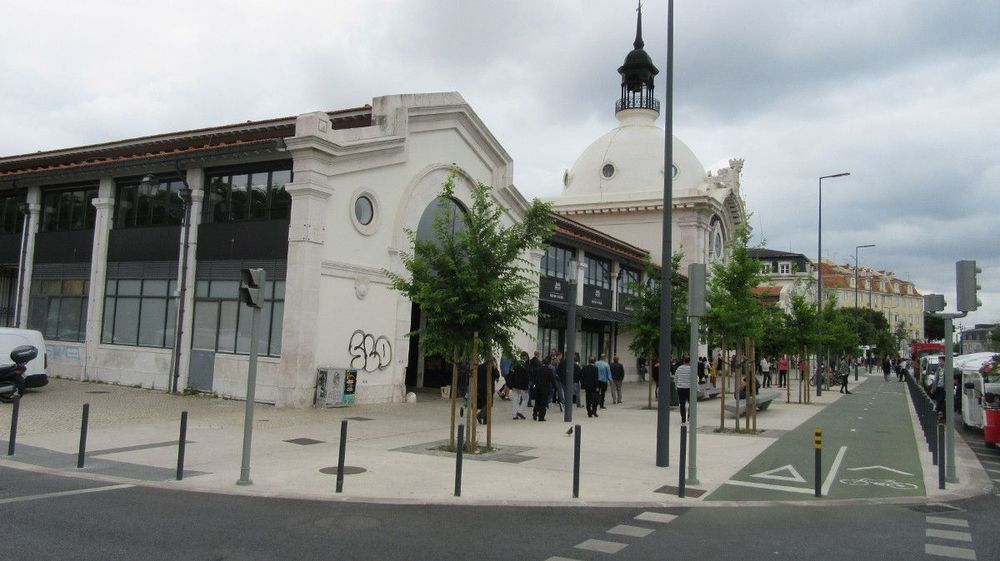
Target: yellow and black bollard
{"type": "Point", "coordinates": [819, 460]}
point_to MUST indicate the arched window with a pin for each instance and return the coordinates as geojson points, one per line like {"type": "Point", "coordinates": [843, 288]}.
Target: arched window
{"type": "Point", "coordinates": [451, 210]}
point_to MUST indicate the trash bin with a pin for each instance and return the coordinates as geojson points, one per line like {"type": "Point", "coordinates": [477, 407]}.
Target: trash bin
{"type": "Point", "coordinates": [991, 425]}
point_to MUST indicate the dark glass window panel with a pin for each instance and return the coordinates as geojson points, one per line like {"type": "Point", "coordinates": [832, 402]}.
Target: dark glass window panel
{"type": "Point", "coordinates": [109, 320]}
{"type": "Point", "coordinates": [258, 195]}
{"type": "Point", "coordinates": [224, 289]}
{"type": "Point", "coordinates": [51, 287]}
{"type": "Point", "coordinates": [90, 211]}
{"type": "Point", "coordinates": [125, 213]}
{"type": "Point", "coordinates": [126, 330]}
{"type": "Point", "coordinates": [79, 220]}
{"type": "Point", "coordinates": [201, 289]}
{"type": "Point", "coordinates": [598, 272]}
{"type": "Point", "coordinates": [279, 290]}
{"type": "Point", "coordinates": [281, 201]}
{"type": "Point", "coordinates": [154, 287]}
{"type": "Point", "coordinates": [52, 321]}
{"type": "Point", "coordinates": [143, 205]}
{"type": "Point", "coordinates": [277, 318]}
{"type": "Point", "coordinates": [70, 318]}
{"type": "Point", "coordinates": [73, 288]}
{"type": "Point", "coordinates": [217, 199]}
{"type": "Point", "coordinates": [243, 330]}
{"type": "Point", "coordinates": [50, 212]}
{"type": "Point", "coordinates": [171, 325]}
{"type": "Point", "coordinates": [227, 326]}
{"type": "Point", "coordinates": [110, 289]}
{"type": "Point", "coordinates": [238, 198]}
{"type": "Point", "coordinates": [82, 333]}
{"type": "Point", "coordinates": [38, 313]}
{"type": "Point", "coordinates": [206, 316]}
{"type": "Point", "coordinates": [152, 322]}
{"type": "Point", "coordinates": [158, 204]}
{"type": "Point", "coordinates": [65, 211]}
{"type": "Point", "coordinates": [264, 328]}
{"type": "Point", "coordinates": [129, 287]}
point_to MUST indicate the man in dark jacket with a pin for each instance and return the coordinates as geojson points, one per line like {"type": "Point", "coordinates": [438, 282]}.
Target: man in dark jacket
{"type": "Point", "coordinates": [618, 376]}
{"type": "Point", "coordinates": [519, 384]}
{"type": "Point", "coordinates": [588, 381]}
{"type": "Point", "coordinates": [544, 382]}
{"type": "Point", "coordinates": [484, 388]}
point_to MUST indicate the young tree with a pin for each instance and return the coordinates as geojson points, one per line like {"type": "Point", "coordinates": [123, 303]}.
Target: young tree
{"type": "Point", "coordinates": [644, 325]}
{"type": "Point", "coordinates": [735, 317]}
{"type": "Point", "coordinates": [475, 280]}
{"type": "Point", "coordinates": [802, 335]}
{"type": "Point", "coordinates": [933, 327]}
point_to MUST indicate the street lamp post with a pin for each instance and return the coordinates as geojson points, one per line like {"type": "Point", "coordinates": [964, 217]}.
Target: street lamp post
{"type": "Point", "coordinates": [856, 266]}
{"type": "Point", "coordinates": [570, 359]}
{"type": "Point", "coordinates": [185, 196]}
{"type": "Point", "coordinates": [819, 282]}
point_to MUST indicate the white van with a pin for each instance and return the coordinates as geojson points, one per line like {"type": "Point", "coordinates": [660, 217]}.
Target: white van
{"type": "Point", "coordinates": [37, 374]}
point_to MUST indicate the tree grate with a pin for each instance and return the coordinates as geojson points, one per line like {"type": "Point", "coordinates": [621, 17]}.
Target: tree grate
{"type": "Point", "coordinates": [304, 441]}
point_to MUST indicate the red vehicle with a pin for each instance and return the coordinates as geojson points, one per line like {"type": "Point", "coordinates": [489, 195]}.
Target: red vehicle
{"type": "Point", "coordinates": [918, 350]}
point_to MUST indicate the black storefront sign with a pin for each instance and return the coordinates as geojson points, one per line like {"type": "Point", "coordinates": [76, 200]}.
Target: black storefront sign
{"type": "Point", "coordinates": [626, 302]}
{"type": "Point", "coordinates": [553, 289]}
{"type": "Point", "coordinates": [596, 297]}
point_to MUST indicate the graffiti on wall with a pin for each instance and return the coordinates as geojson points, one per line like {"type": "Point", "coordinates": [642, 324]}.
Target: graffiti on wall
{"type": "Point", "coordinates": [368, 352]}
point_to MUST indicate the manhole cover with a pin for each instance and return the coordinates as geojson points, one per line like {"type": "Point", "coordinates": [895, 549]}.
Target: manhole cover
{"type": "Point", "coordinates": [304, 441]}
{"type": "Point", "coordinates": [348, 470]}
{"type": "Point", "coordinates": [98, 391]}
{"type": "Point", "coordinates": [935, 507]}
{"type": "Point", "coordinates": [673, 490]}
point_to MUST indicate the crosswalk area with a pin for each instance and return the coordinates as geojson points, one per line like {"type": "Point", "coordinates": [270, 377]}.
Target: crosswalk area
{"type": "Point", "coordinates": [639, 528]}
{"type": "Point", "coordinates": [949, 538]}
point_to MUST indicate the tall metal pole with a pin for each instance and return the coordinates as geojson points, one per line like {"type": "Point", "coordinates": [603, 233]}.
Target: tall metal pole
{"type": "Point", "coordinates": [570, 343]}
{"type": "Point", "coordinates": [25, 209]}
{"type": "Point", "coordinates": [819, 287]}
{"type": "Point", "coordinates": [182, 286]}
{"type": "Point", "coordinates": [693, 406]}
{"type": "Point", "coordinates": [857, 265]}
{"type": "Point", "coordinates": [666, 276]}
{"type": "Point", "coordinates": [251, 391]}
{"type": "Point", "coordinates": [949, 404]}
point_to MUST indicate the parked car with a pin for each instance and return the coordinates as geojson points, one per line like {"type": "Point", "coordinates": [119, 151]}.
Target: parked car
{"type": "Point", "coordinates": [37, 374]}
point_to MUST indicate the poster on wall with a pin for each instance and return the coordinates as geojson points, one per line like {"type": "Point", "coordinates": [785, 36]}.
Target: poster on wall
{"type": "Point", "coordinates": [336, 387]}
{"type": "Point", "coordinates": [350, 385]}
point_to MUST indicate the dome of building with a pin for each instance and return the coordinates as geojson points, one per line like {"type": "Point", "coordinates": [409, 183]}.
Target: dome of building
{"type": "Point", "coordinates": [627, 164]}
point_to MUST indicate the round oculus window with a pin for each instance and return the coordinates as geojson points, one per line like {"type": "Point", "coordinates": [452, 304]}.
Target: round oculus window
{"type": "Point", "coordinates": [673, 171]}
{"type": "Point", "coordinates": [364, 210]}
{"type": "Point", "coordinates": [608, 171]}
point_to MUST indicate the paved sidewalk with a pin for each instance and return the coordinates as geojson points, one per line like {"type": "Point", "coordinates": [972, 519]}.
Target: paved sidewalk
{"type": "Point", "coordinates": [133, 433]}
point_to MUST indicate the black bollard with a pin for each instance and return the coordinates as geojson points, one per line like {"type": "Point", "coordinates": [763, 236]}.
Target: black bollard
{"type": "Point", "coordinates": [181, 444]}
{"type": "Point", "coordinates": [83, 436]}
{"type": "Point", "coordinates": [819, 461]}
{"type": "Point", "coordinates": [940, 455]}
{"type": "Point", "coordinates": [13, 425]}
{"type": "Point", "coordinates": [343, 453]}
{"type": "Point", "coordinates": [684, 438]}
{"type": "Point", "coordinates": [458, 460]}
{"type": "Point", "coordinates": [576, 462]}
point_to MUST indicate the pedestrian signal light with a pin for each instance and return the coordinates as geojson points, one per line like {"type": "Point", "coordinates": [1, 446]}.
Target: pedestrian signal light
{"type": "Point", "coordinates": [252, 287]}
{"type": "Point", "coordinates": [933, 303]}
{"type": "Point", "coordinates": [967, 285]}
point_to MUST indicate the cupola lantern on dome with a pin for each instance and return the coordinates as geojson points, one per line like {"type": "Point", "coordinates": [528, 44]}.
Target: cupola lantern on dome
{"type": "Point", "coordinates": [637, 74]}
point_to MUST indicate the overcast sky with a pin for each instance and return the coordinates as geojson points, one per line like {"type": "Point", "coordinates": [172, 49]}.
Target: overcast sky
{"type": "Point", "coordinates": [903, 94]}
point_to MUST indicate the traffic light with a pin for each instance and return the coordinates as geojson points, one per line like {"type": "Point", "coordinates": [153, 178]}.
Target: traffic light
{"type": "Point", "coordinates": [933, 303]}
{"type": "Point", "coordinates": [252, 287]}
{"type": "Point", "coordinates": [967, 285]}
{"type": "Point", "coordinates": [697, 306]}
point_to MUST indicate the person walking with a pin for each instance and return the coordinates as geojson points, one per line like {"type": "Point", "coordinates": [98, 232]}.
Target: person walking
{"type": "Point", "coordinates": [844, 376]}
{"type": "Point", "coordinates": [765, 369]}
{"type": "Point", "coordinates": [782, 371]}
{"type": "Point", "coordinates": [617, 377]}
{"type": "Point", "coordinates": [544, 382]}
{"type": "Point", "coordinates": [886, 368]}
{"type": "Point", "coordinates": [683, 379]}
{"type": "Point", "coordinates": [603, 379]}
{"type": "Point", "coordinates": [588, 380]}
{"type": "Point", "coordinates": [519, 383]}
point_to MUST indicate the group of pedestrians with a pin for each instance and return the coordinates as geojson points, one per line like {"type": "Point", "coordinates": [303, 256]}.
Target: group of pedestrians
{"type": "Point", "coordinates": [538, 383]}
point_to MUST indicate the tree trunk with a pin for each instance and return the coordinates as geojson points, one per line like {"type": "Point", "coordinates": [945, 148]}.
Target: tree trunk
{"type": "Point", "coordinates": [741, 377]}
{"type": "Point", "coordinates": [752, 407]}
{"type": "Point", "coordinates": [489, 404]}
{"type": "Point", "coordinates": [722, 391]}
{"type": "Point", "coordinates": [649, 379]}
{"type": "Point", "coordinates": [471, 416]}
{"type": "Point", "coordinates": [454, 397]}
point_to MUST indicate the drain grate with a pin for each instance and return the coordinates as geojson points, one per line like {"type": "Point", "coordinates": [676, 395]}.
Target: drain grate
{"type": "Point", "coordinates": [348, 470]}
{"type": "Point", "coordinates": [304, 441]}
{"type": "Point", "coordinates": [688, 491]}
{"type": "Point", "coordinates": [359, 419]}
{"type": "Point", "coordinates": [934, 507]}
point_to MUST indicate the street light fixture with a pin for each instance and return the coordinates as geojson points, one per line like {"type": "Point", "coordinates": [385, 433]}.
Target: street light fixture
{"type": "Point", "coordinates": [819, 279]}
{"type": "Point", "coordinates": [856, 267]}
{"type": "Point", "coordinates": [570, 359]}
{"type": "Point", "coordinates": [185, 196]}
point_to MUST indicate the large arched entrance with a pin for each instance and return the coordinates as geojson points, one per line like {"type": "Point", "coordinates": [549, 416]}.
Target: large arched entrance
{"type": "Point", "coordinates": [431, 370]}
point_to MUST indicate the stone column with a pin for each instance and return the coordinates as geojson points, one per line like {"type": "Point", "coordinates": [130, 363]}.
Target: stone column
{"type": "Point", "coordinates": [195, 181]}
{"type": "Point", "coordinates": [105, 205]}
{"type": "Point", "coordinates": [310, 192]}
{"type": "Point", "coordinates": [34, 200]}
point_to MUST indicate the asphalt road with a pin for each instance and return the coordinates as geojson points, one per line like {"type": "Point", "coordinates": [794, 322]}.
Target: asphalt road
{"type": "Point", "coordinates": [62, 518]}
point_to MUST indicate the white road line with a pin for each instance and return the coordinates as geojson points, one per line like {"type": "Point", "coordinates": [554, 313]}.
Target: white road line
{"type": "Point", "coordinates": [946, 551]}
{"type": "Point", "coordinates": [64, 493]}
{"type": "Point", "coordinates": [958, 522]}
{"type": "Point", "coordinates": [659, 517]}
{"type": "Point", "coordinates": [989, 461]}
{"type": "Point", "coordinates": [601, 546]}
{"type": "Point", "coordinates": [949, 535]}
{"type": "Point", "coordinates": [833, 471]}
{"type": "Point", "coordinates": [803, 490]}
{"type": "Point", "coordinates": [632, 531]}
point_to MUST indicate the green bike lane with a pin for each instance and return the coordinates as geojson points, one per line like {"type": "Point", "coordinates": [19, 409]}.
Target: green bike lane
{"type": "Point", "coordinates": [869, 451]}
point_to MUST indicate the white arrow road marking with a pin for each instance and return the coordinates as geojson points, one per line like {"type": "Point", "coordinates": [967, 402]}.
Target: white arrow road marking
{"type": "Point", "coordinates": [879, 467]}
{"type": "Point", "coordinates": [787, 488]}
{"type": "Point", "coordinates": [833, 470]}
{"type": "Point", "coordinates": [793, 474]}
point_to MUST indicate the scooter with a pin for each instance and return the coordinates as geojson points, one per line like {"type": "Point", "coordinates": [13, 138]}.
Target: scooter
{"type": "Point", "coordinates": [12, 375]}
